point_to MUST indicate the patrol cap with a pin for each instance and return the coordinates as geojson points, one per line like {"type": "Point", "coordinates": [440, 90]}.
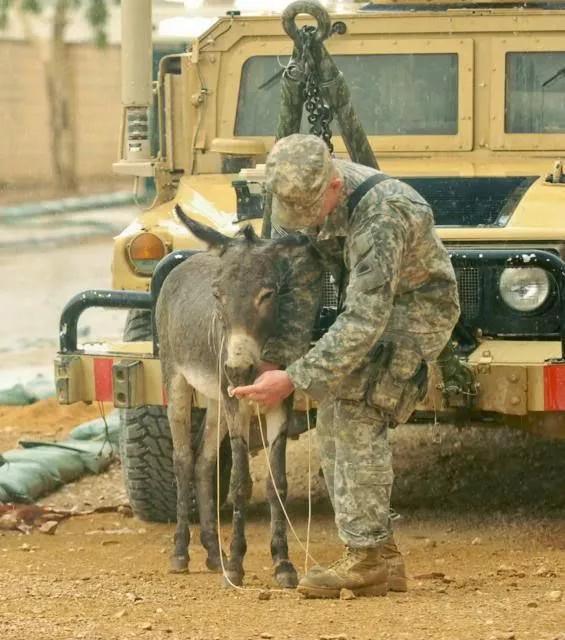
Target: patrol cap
{"type": "Point", "coordinates": [298, 171]}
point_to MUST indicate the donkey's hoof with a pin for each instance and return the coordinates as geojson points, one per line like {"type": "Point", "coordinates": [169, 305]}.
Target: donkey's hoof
{"type": "Point", "coordinates": [233, 579]}
{"type": "Point", "coordinates": [179, 564]}
{"type": "Point", "coordinates": [285, 575]}
{"type": "Point", "coordinates": [214, 564]}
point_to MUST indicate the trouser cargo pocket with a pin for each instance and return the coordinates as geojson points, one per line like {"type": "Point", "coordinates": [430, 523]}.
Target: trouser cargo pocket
{"type": "Point", "coordinates": [399, 382]}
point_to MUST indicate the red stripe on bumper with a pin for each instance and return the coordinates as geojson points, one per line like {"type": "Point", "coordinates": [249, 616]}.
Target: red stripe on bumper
{"type": "Point", "coordinates": [554, 387]}
{"type": "Point", "coordinates": [103, 389]}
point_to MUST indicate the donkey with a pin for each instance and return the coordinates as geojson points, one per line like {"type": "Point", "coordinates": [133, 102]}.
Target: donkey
{"type": "Point", "coordinates": [214, 314]}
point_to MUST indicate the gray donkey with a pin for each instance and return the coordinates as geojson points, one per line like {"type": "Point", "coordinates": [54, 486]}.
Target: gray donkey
{"type": "Point", "coordinates": [214, 314]}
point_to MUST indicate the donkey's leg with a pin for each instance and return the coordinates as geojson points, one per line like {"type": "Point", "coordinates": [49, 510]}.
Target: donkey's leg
{"type": "Point", "coordinates": [178, 411]}
{"type": "Point", "coordinates": [205, 484]}
{"type": "Point", "coordinates": [239, 488]}
{"type": "Point", "coordinates": [277, 428]}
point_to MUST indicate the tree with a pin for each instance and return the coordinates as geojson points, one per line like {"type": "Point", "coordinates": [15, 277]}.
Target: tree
{"type": "Point", "coordinates": [54, 53]}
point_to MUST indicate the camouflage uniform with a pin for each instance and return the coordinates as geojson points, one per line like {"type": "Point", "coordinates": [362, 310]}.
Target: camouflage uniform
{"type": "Point", "coordinates": [400, 308]}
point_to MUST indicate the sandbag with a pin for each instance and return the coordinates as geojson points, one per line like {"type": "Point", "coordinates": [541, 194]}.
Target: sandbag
{"type": "Point", "coordinates": [15, 396]}
{"type": "Point", "coordinates": [64, 464]}
{"type": "Point", "coordinates": [96, 456]}
{"type": "Point", "coordinates": [96, 429]}
{"type": "Point", "coordinates": [4, 496]}
{"type": "Point", "coordinates": [26, 481]}
{"type": "Point", "coordinates": [41, 467]}
{"type": "Point", "coordinates": [36, 389]}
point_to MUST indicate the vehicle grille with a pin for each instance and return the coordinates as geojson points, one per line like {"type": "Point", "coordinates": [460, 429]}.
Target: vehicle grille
{"type": "Point", "coordinates": [469, 285]}
{"type": "Point", "coordinates": [329, 291]}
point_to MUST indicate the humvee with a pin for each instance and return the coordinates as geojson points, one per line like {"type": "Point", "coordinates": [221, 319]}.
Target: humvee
{"type": "Point", "coordinates": [464, 100]}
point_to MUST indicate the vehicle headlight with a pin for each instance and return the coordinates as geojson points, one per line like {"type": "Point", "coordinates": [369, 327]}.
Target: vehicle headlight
{"type": "Point", "coordinates": [145, 251]}
{"type": "Point", "coordinates": [524, 288]}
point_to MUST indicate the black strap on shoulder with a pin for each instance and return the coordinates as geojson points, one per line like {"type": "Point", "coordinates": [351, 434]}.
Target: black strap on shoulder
{"type": "Point", "coordinates": [354, 199]}
{"type": "Point", "coordinates": [362, 190]}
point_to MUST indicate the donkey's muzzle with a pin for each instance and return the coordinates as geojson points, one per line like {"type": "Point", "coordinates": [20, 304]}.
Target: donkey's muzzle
{"type": "Point", "coordinates": [240, 375]}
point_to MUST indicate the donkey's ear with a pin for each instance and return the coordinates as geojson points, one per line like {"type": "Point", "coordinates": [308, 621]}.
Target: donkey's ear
{"type": "Point", "coordinates": [215, 240]}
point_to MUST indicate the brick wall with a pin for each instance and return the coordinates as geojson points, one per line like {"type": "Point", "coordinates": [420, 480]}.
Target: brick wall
{"type": "Point", "coordinates": [24, 116]}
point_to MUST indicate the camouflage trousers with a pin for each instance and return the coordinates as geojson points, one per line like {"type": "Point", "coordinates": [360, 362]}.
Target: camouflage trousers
{"type": "Point", "coordinates": [357, 465]}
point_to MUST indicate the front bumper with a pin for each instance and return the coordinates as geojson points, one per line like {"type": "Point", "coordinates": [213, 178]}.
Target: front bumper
{"type": "Point", "coordinates": [517, 382]}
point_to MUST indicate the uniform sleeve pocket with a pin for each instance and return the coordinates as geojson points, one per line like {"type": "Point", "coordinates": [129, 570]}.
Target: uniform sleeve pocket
{"type": "Point", "coordinates": [367, 277]}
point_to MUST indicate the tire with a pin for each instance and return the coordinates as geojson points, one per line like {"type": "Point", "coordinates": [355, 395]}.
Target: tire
{"type": "Point", "coordinates": [146, 448]}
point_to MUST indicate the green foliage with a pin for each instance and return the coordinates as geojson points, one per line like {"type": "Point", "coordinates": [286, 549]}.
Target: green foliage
{"type": "Point", "coordinates": [97, 16]}
{"type": "Point", "coordinates": [32, 6]}
{"type": "Point", "coordinates": [96, 12]}
{"type": "Point", "coordinates": [5, 6]}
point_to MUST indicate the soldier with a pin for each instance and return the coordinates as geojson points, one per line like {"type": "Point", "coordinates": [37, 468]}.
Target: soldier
{"type": "Point", "coordinates": [370, 369]}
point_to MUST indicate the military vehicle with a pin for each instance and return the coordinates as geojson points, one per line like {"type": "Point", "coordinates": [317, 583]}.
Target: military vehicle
{"type": "Point", "coordinates": [464, 100]}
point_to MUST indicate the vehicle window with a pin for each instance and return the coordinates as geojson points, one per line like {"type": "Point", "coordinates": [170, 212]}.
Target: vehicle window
{"type": "Point", "coordinates": [535, 92]}
{"type": "Point", "coordinates": [393, 94]}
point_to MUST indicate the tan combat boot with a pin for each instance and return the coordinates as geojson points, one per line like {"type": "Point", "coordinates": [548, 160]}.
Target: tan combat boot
{"type": "Point", "coordinates": [363, 571]}
{"type": "Point", "coordinates": [397, 580]}
{"type": "Point", "coordinates": [396, 571]}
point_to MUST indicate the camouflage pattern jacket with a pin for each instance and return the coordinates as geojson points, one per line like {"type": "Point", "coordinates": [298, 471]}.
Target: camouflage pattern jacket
{"type": "Point", "coordinates": [401, 288]}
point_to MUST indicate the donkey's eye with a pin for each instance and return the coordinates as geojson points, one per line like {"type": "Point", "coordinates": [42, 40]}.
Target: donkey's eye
{"type": "Point", "coordinates": [265, 295]}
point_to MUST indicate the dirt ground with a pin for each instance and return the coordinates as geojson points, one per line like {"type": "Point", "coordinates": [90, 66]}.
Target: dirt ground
{"type": "Point", "coordinates": [482, 527]}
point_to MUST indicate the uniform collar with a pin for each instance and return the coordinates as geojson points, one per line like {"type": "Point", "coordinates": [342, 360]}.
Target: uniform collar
{"type": "Point", "coordinates": [336, 224]}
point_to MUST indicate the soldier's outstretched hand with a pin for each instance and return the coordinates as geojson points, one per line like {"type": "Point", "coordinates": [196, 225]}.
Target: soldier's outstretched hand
{"type": "Point", "coordinates": [270, 388]}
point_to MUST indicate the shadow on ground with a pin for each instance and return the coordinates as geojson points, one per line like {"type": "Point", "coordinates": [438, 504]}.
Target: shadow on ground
{"type": "Point", "coordinates": [478, 469]}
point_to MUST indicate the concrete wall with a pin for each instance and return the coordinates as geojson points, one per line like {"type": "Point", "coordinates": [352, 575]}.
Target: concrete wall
{"type": "Point", "coordinates": [24, 115]}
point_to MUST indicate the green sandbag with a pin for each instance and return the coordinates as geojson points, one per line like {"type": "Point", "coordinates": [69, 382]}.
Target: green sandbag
{"type": "Point", "coordinates": [96, 456]}
{"type": "Point", "coordinates": [96, 429]}
{"type": "Point", "coordinates": [16, 396]}
{"type": "Point", "coordinates": [63, 464]}
{"type": "Point", "coordinates": [26, 481]}
{"type": "Point", "coordinates": [22, 394]}
{"type": "Point", "coordinates": [41, 467]}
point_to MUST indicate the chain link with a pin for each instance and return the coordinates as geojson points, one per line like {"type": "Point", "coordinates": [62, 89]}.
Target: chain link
{"type": "Point", "coordinates": [320, 114]}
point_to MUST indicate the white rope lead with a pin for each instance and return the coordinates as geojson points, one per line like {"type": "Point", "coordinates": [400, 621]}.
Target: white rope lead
{"type": "Point", "coordinates": [218, 443]}
{"type": "Point", "coordinates": [218, 518]}
{"type": "Point", "coordinates": [293, 530]}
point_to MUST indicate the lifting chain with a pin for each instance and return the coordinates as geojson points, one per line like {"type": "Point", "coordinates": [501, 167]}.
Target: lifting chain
{"type": "Point", "coordinates": [319, 112]}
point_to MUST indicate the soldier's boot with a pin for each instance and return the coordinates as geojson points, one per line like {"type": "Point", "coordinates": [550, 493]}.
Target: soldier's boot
{"type": "Point", "coordinates": [397, 580]}
{"type": "Point", "coordinates": [363, 571]}
{"type": "Point", "coordinates": [396, 571]}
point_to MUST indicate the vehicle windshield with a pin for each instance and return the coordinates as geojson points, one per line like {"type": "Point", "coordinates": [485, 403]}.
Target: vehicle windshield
{"type": "Point", "coordinates": [393, 94]}
{"type": "Point", "coordinates": [535, 92]}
